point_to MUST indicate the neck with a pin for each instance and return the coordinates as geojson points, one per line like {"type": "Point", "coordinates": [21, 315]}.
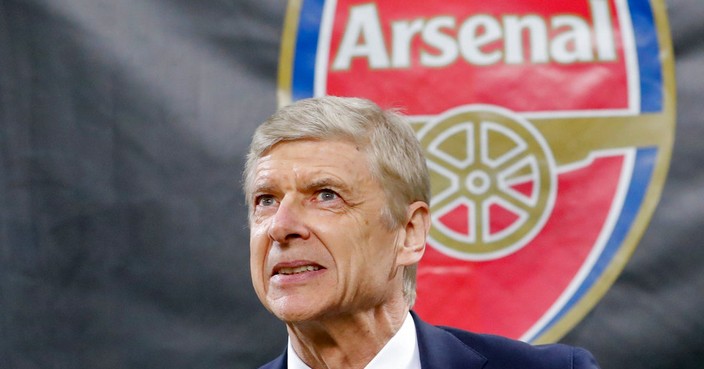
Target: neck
{"type": "Point", "coordinates": [346, 340]}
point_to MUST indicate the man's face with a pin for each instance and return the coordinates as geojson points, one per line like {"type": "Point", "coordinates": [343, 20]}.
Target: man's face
{"type": "Point", "coordinates": [318, 243]}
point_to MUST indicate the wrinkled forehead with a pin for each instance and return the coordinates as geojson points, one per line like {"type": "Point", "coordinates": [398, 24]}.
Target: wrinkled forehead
{"type": "Point", "coordinates": [312, 157]}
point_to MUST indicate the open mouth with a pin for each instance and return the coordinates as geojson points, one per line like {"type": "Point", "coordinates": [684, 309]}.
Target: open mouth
{"type": "Point", "coordinates": [296, 269]}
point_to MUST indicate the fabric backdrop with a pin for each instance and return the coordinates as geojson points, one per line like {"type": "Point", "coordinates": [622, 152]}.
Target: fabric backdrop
{"type": "Point", "coordinates": [123, 238]}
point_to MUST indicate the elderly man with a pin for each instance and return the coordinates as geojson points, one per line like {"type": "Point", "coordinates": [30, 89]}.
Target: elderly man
{"type": "Point", "coordinates": [338, 193]}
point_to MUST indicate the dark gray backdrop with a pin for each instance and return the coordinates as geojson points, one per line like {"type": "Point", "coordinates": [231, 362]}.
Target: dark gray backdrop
{"type": "Point", "coordinates": [123, 239]}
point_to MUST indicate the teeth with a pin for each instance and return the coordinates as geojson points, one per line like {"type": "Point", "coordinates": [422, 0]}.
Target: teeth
{"type": "Point", "coordinates": [296, 270]}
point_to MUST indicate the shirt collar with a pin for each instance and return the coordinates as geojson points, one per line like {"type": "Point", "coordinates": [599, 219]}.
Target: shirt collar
{"type": "Point", "coordinates": [400, 352]}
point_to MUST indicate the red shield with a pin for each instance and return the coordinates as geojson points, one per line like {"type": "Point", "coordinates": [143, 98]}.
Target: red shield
{"type": "Point", "coordinates": [548, 129]}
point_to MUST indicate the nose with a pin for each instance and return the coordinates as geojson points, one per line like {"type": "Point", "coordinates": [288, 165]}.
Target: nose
{"type": "Point", "coordinates": [288, 223]}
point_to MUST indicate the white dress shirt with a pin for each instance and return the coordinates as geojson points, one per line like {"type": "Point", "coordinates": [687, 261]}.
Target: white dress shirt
{"type": "Point", "coordinates": [401, 352]}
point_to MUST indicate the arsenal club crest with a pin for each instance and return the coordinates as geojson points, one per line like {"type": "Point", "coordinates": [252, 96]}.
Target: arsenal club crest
{"type": "Point", "coordinates": [547, 126]}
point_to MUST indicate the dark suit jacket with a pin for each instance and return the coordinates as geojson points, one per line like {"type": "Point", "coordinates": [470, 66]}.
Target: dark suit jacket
{"type": "Point", "coordinates": [450, 348]}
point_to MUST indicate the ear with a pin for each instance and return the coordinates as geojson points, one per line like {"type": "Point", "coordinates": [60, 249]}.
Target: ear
{"type": "Point", "coordinates": [415, 234]}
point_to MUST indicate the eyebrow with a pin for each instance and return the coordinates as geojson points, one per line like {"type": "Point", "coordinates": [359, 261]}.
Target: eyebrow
{"type": "Point", "coordinates": [262, 187]}
{"type": "Point", "coordinates": [326, 182]}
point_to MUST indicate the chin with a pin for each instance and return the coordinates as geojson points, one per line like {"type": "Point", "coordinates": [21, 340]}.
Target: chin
{"type": "Point", "coordinates": [295, 311]}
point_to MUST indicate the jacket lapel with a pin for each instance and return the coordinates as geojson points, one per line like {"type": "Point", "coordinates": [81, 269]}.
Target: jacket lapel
{"type": "Point", "coordinates": [440, 349]}
{"type": "Point", "coordinates": [279, 363]}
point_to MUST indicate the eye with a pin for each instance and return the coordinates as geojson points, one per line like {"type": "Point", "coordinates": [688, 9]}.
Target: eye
{"type": "Point", "coordinates": [265, 200]}
{"type": "Point", "coordinates": [327, 195]}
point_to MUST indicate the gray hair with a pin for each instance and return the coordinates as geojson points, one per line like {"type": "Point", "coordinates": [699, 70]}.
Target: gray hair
{"type": "Point", "coordinates": [395, 156]}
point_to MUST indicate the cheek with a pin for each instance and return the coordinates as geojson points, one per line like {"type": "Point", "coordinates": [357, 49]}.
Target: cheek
{"type": "Point", "coordinates": [365, 256]}
{"type": "Point", "coordinates": [258, 246]}
{"type": "Point", "coordinates": [379, 255]}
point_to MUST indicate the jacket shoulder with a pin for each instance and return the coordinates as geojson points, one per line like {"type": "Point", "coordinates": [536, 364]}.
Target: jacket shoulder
{"type": "Point", "coordinates": [278, 363]}
{"type": "Point", "coordinates": [502, 352]}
